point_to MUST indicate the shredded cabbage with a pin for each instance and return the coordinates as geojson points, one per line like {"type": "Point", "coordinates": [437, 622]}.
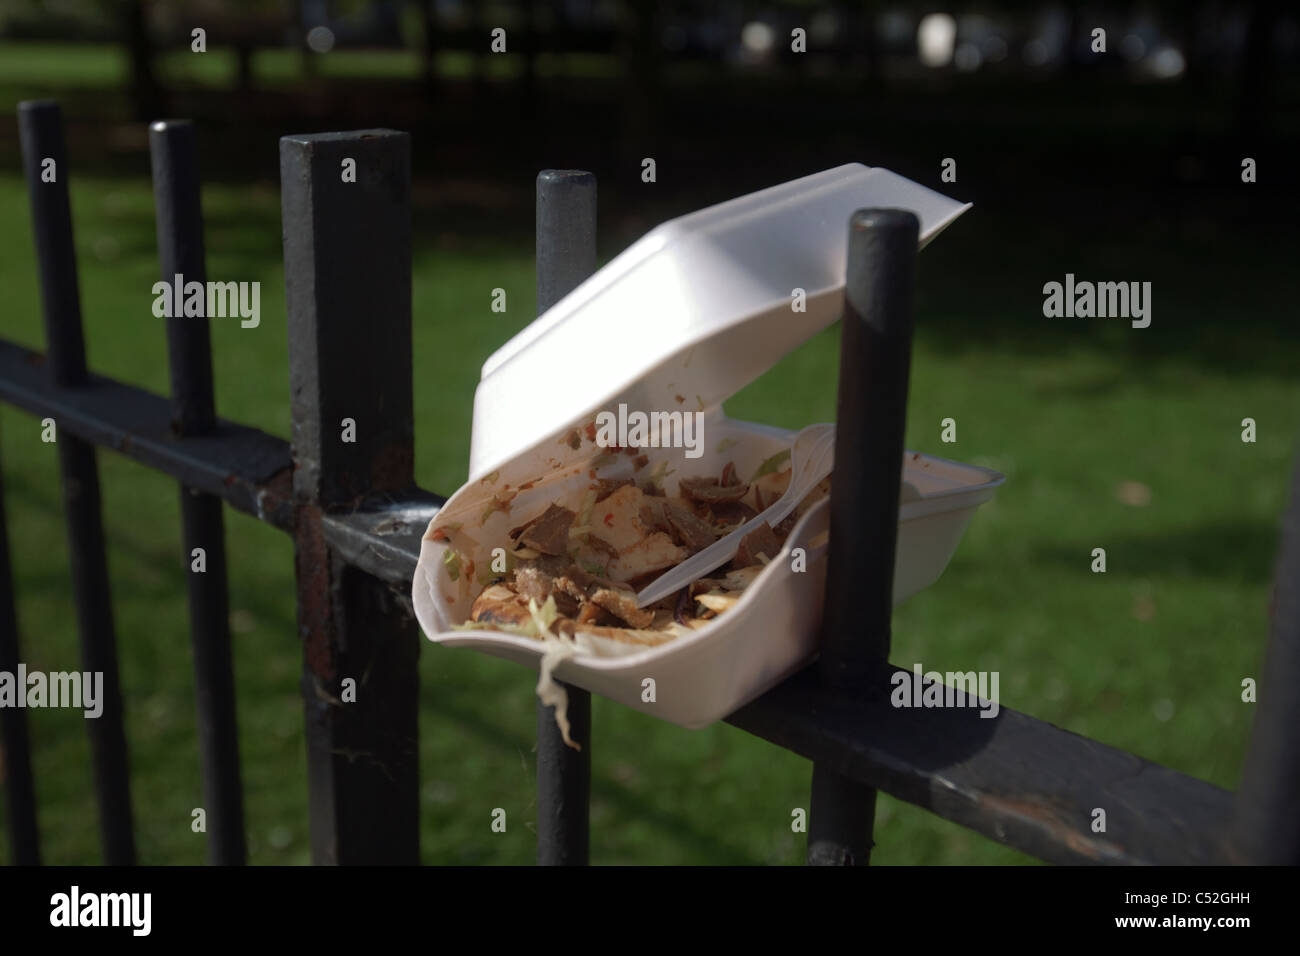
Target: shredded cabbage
{"type": "Point", "coordinates": [582, 521]}
{"type": "Point", "coordinates": [659, 472]}
{"type": "Point", "coordinates": [550, 693]}
{"type": "Point", "coordinates": [538, 627]}
{"type": "Point", "coordinates": [770, 465]}
{"type": "Point", "coordinates": [584, 508]}
{"type": "Point", "coordinates": [543, 617]}
{"type": "Point", "coordinates": [451, 560]}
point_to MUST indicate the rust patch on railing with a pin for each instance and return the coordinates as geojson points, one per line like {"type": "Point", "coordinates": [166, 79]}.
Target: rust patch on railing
{"type": "Point", "coordinates": [1065, 832]}
{"type": "Point", "coordinates": [274, 500]}
{"type": "Point", "coordinates": [393, 467]}
{"type": "Point", "coordinates": [315, 592]}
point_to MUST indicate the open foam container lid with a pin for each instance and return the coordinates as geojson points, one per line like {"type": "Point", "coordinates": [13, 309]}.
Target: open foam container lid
{"type": "Point", "coordinates": [689, 314]}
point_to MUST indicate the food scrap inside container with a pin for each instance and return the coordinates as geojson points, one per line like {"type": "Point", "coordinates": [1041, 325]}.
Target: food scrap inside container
{"type": "Point", "coordinates": [568, 575]}
{"type": "Point", "coordinates": [586, 558]}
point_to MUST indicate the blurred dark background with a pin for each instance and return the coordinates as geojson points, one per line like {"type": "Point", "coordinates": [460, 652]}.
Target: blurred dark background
{"type": "Point", "coordinates": [712, 91]}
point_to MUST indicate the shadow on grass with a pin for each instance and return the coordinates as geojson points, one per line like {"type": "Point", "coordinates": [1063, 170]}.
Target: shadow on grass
{"type": "Point", "coordinates": [1241, 551]}
{"type": "Point", "coordinates": [1220, 307]}
{"type": "Point", "coordinates": [451, 704]}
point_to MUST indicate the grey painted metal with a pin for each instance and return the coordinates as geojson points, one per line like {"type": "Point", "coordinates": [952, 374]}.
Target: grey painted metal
{"type": "Point", "coordinates": [566, 255]}
{"type": "Point", "coordinates": [870, 413]}
{"type": "Point", "coordinates": [1266, 829]}
{"type": "Point", "coordinates": [41, 131]}
{"type": "Point", "coordinates": [347, 256]}
{"type": "Point", "coordinates": [174, 153]}
{"type": "Point", "coordinates": [384, 538]}
{"type": "Point", "coordinates": [20, 790]}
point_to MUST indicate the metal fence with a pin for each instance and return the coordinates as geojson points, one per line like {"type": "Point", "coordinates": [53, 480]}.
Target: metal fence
{"type": "Point", "coordinates": [357, 518]}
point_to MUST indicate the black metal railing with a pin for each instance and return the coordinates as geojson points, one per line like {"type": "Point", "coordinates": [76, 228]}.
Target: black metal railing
{"type": "Point", "coordinates": [174, 152]}
{"type": "Point", "coordinates": [357, 519]}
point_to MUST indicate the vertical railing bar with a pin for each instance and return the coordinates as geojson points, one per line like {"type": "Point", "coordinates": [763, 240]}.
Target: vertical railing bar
{"type": "Point", "coordinates": [1266, 828]}
{"type": "Point", "coordinates": [346, 208]}
{"type": "Point", "coordinates": [174, 152]}
{"type": "Point", "coordinates": [20, 787]}
{"type": "Point", "coordinates": [871, 410]}
{"type": "Point", "coordinates": [566, 255]}
{"type": "Point", "coordinates": [46, 169]}
{"type": "Point", "coordinates": [41, 131]}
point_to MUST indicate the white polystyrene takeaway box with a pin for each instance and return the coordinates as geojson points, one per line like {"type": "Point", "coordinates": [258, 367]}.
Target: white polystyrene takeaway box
{"type": "Point", "coordinates": [683, 319]}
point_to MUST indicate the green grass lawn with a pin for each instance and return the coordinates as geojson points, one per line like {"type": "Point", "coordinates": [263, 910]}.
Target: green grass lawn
{"type": "Point", "coordinates": [1148, 656]}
